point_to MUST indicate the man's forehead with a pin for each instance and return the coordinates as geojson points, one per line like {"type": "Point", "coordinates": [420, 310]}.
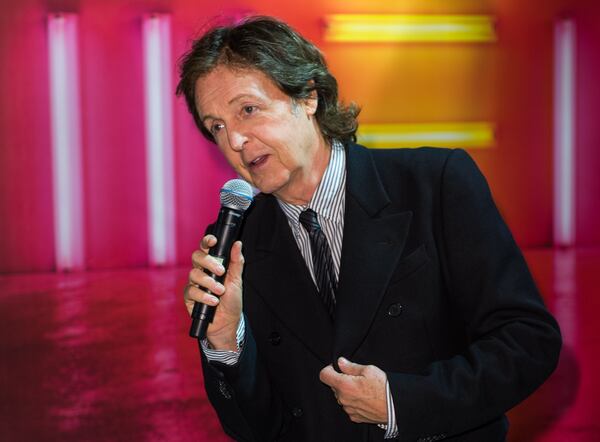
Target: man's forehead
{"type": "Point", "coordinates": [223, 76]}
{"type": "Point", "coordinates": [225, 85]}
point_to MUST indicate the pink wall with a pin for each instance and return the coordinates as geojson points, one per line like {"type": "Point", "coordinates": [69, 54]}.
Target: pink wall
{"type": "Point", "coordinates": [26, 224]}
{"type": "Point", "coordinates": [588, 126]}
{"type": "Point", "coordinates": [111, 72]}
{"type": "Point", "coordinates": [516, 89]}
{"type": "Point", "coordinates": [113, 127]}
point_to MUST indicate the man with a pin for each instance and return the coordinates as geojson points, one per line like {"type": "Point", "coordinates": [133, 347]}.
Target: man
{"type": "Point", "coordinates": [379, 294]}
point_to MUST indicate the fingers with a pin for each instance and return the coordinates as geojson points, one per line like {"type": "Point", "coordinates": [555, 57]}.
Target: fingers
{"type": "Point", "coordinates": [202, 285]}
{"type": "Point", "coordinates": [350, 368]}
{"type": "Point", "coordinates": [202, 288]}
{"type": "Point", "coordinates": [348, 405]}
{"type": "Point", "coordinates": [358, 389]}
{"type": "Point", "coordinates": [201, 280]}
{"type": "Point", "coordinates": [193, 294]}
{"type": "Point", "coordinates": [330, 377]}
{"type": "Point", "coordinates": [207, 242]}
{"type": "Point", "coordinates": [201, 260]}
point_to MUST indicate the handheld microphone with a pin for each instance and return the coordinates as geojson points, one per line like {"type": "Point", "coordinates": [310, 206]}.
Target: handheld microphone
{"type": "Point", "coordinates": [236, 197]}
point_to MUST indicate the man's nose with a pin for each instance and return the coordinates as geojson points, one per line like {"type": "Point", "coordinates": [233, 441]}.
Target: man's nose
{"type": "Point", "coordinates": [237, 139]}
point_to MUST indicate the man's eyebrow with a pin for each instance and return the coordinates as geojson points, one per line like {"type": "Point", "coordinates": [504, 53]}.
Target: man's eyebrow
{"type": "Point", "coordinates": [238, 97]}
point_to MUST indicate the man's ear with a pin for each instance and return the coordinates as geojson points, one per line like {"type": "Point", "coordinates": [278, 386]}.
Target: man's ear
{"type": "Point", "coordinates": [311, 103]}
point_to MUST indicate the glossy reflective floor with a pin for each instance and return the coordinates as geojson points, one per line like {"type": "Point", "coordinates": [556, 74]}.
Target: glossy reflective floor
{"type": "Point", "coordinates": [104, 356]}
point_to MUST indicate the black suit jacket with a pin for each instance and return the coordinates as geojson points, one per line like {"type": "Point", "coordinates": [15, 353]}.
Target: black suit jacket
{"type": "Point", "coordinates": [432, 289]}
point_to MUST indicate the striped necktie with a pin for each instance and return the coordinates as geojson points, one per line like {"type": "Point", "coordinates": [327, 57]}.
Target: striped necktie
{"type": "Point", "coordinates": [321, 258]}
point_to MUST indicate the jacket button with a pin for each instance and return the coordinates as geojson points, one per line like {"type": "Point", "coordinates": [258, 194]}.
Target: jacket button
{"type": "Point", "coordinates": [297, 412]}
{"type": "Point", "coordinates": [275, 338]}
{"type": "Point", "coordinates": [395, 309]}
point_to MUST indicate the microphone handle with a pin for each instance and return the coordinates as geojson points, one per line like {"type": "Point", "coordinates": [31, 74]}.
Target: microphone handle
{"type": "Point", "coordinates": [226, 230]}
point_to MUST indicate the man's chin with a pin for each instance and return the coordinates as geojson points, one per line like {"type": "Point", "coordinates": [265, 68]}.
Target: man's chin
{"type": "Point", "coordinates": [264, 187]}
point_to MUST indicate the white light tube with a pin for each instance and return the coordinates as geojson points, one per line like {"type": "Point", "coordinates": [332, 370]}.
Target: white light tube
{"type": "Point", "coordinates": [159, 139]}
{"type": "Point", "coordinates": [66, 141]}
{"type": "Point", "coordinates": [564, 133]}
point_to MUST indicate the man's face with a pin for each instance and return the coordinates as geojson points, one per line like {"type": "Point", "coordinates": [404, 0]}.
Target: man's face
{"type": "Point", "coordinates": [270, 140]}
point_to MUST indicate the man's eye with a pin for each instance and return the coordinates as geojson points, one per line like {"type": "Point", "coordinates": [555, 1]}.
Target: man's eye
{"type": "Point", "coordinates": [249, 109]}
{"type": "Point", "coordinates": [215, 128]}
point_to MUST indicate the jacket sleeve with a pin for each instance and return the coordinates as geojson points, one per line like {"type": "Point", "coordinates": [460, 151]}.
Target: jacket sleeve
{"type": "Point", "coordinates": [243, 397]}
{"type": "Point", "coordinates": [514, 343]}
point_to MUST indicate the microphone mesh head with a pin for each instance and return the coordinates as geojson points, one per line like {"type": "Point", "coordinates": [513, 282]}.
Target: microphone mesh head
{"type": "Point", "coordinates": [236, 194]}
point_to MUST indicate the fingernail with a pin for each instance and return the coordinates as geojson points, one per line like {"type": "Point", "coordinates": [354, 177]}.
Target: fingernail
{"type": "Point", "coordinates": [214, 299]}
{"type": "Point", "coordinates": [220, 288]}
{"type": "Point", "coordinates": [342, 360]}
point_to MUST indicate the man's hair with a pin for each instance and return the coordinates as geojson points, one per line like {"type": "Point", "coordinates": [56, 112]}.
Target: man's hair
{"type": "Point", "coordinates": [294, 64]}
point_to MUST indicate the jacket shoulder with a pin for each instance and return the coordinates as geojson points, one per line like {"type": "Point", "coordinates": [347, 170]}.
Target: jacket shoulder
{"type": "Point", "coordinates": [422, 163]}
{"type": "Point", "coordinates": [420, 158]}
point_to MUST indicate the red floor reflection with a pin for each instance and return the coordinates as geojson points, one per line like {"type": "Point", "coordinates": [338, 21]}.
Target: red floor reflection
{"type": "Point", "coordinates": [105, 356]}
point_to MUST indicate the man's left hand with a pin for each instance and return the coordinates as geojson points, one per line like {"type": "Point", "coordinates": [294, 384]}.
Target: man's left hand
{"type": "Point", "coordinates": [359, 389]}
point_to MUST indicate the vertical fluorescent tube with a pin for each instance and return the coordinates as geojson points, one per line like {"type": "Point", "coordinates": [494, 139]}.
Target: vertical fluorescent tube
{"type": "Point", "coordinates": [66, 141]}
{"type": "Point", "coordinates": [564, 133]}
{"type": "Point", "coordinates": [159, 139]}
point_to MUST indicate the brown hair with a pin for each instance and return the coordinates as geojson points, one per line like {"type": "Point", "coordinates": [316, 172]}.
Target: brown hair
{"type": "Point", "coordinates": [295, 65]}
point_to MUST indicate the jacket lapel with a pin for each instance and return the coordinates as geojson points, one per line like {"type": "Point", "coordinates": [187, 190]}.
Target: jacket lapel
{"type": "Point", "coordinates": [374, 236]}
{"type": "Point", "coordinates": [276, 271]}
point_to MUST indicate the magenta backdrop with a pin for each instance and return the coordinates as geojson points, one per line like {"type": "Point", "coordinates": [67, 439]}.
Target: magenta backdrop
{"type": "Point", "coordinates": [113, 123]}
{"type": "Point", "coordinates": [111, 73]}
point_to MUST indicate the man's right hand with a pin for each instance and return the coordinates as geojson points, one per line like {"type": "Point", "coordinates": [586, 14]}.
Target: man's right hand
{"type": "Point", "coordinates": [221, 333]}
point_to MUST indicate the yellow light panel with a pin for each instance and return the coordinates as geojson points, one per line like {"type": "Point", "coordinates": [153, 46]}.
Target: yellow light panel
{"type": "Point", "coordinates": [409, 28]}
{"type": "Point", "coordinates": [389, 136]}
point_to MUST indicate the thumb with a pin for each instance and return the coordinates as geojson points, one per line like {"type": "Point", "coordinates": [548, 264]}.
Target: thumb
{"type": "Point", "coordinates": [236, 263]}
{"type": "Point", "coordinates": [350, 368]}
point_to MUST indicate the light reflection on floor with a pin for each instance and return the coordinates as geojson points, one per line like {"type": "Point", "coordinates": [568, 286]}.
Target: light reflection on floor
{"type": "Point", "coordinates": [105, 356]}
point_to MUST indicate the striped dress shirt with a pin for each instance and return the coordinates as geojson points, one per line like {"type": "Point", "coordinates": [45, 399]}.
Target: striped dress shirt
{"type": "Point", "coordinates": [329, 204]}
